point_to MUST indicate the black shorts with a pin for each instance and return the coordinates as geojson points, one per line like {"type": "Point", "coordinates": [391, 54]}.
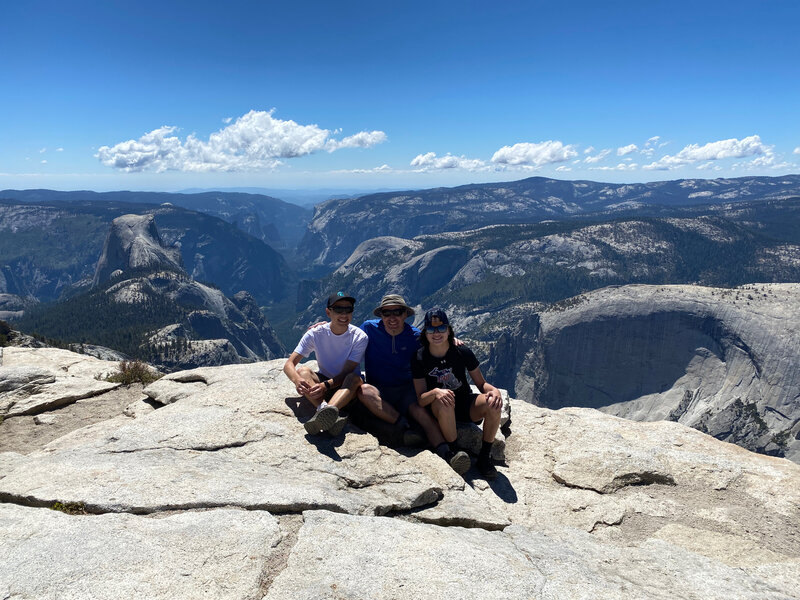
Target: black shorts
{"type": "Point", "coordinates": [463, 405]}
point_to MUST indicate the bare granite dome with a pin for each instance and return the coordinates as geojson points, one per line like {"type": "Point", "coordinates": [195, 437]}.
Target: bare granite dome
{"type": "Point", "coordinates": [208, 486]}
{"type": "Point", "coordinates": [133, 243]}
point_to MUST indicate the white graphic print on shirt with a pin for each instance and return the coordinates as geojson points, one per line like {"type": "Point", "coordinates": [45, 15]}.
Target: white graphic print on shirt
{"type": "Point", "coordinates": [445, 378]}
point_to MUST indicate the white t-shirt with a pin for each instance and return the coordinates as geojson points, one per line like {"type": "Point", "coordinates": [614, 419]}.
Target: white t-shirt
{"type": "Point", "coordinates": [333, 350]}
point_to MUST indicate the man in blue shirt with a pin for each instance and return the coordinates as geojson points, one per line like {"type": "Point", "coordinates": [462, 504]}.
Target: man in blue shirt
{"type": "Point", "coordinates": [387, 361]}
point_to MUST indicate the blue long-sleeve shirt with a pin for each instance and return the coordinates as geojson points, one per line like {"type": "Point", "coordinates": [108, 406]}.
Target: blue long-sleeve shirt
{"type": "Point", "coordinates": [387, 361]}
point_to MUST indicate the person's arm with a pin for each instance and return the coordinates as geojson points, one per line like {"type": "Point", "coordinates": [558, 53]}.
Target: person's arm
{"type": "Point", "coordinates": [426, 396]}
{"type": "Point", "coordinates": [492, 394]}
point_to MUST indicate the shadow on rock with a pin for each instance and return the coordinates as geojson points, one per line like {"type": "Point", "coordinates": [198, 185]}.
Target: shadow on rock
{"type": "Point", "coordinates": [501, 486]}
{"type": "Point", "coordinates": [327, 445]}
{"type": "Point", "coordinates": [303, 409]}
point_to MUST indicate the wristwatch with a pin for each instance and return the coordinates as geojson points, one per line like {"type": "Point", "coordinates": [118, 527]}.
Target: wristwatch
{"type": "Point", "coordinates": [327, 384]}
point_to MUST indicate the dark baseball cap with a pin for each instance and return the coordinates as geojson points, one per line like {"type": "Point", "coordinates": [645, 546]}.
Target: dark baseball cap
{"type": "Point", "coordinates": [334, 298]}
{"type": "Point", "coordinates": [436, 313]}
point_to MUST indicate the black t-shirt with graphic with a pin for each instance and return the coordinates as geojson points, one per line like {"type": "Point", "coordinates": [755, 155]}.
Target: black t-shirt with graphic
{"type": "Point", "coordinates": [448, 372]}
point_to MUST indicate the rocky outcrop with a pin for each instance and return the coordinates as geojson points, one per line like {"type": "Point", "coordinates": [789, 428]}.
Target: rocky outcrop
{"type": "Point", "coordinates": [37, 380]}
{"type": "Point", "coordinates": [724, 361]}
{"type": "Point", "coordinates": [132, 244]}
{"type": "Point", "coordinates": [587, 505]}
{"type": "Point", "coordinates": [216, 330]}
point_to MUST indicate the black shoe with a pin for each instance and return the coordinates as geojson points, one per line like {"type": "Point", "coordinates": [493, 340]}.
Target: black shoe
{"type": "Point", "coordinates": [459, 461]}
{"type": "Point", "coordinates": [486, 468]}
{"type": "Point", "coordinates": [413, 438]}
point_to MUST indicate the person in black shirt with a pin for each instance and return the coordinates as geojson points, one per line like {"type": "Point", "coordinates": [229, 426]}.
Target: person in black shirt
{"type": "Point", "coordinates": [440, 372]}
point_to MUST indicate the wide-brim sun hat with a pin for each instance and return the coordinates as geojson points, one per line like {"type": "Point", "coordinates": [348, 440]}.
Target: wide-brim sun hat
{"type": "Point", "coordinates": [393, 300]}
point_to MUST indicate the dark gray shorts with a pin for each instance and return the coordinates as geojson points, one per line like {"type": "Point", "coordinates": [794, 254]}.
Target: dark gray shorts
{"type": "Point", "coordinates": [400, 397]}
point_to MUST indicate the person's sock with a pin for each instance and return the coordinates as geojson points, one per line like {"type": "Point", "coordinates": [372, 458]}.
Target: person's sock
{"type": "Point", "coordinates": [486, 449]}
{"type": "Point", "coordinates": [442, 449]}
{"type": "Point", "coordinates": [402, 422]}
{"type": "Point", "coordinates": [453, 445]}
{"type": "Point", "coordinates": [322, 405]}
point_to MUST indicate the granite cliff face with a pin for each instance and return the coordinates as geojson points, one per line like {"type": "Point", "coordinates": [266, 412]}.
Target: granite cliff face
{"type": "Point", "coordinates": [206, 484]}
{"type": "Point", "coordinates": [724, 361]}
{"type": "Point", "coordinates": [339, 226]}
{"type": "Point", "coordinates": [133, 243]}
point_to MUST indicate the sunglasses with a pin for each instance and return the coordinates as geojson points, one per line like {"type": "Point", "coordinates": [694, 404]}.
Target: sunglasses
{"type": "Point", "coordinates": [439, 329]}
{"type": "Point", "coordinates": [393, 312]}
{"type": "Point", "coordinates": [342, 310]}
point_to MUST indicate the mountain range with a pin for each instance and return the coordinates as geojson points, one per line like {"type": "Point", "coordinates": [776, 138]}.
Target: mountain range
{"type": "Point", "coordinates": [49, 249]}
{"type": "Point", "coordinates": [280, 224]}
{"type": "Point", "coordinates": [499, 258]}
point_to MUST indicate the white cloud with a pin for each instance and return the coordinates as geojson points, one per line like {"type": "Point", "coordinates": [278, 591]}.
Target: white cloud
{"type": "Point", "coordinates": [254, 141]}
{"type": "Point", "coordinates": [381, 169]}
{"type": "Point", "coordinates": [597, 157]}
{"type": "Point", "coordinates": [363, 139]}
{"type": "Point", "coordinates": [227, 120]}
{"type": "Point", "coordinates": [563, 168]}
{"type": "Point", "coordinates": [59, 149]}
{"type": "Point", "coordinates": [534, 155]}
{"type": "Point", "coordinates": [44, 162]}
{"type": "Point", "coordinates": [619, 167]}
{"type": "Point", "coordinates": [767, 160]}
{"type": "Point", "coordinates": [589, 150]}
{"type": "Point", "coordinates": [731, 148]}
{"type": "Point", "coordinates": [797, 150]}
{"type": "Point", "coordinates": [653, 140]}
{"type": "Point", "coordinates": [627, 149]}
{"type": "Point", "coordinates": [430, 162]}
{"type": "Point", "coordinates": [43, 150]}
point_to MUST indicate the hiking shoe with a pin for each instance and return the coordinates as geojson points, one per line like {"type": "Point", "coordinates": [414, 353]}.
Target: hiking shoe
{"type": "Point", "coordinates": [459, 461]}
{"type": "Point", "coordinates": [486, 468]}
{"type": "Point", "coordinates": [414, 438]}
{"type": "Point", "coordinates": [338, 426]}
{"type": "Point", "coordinates": [322, 420]}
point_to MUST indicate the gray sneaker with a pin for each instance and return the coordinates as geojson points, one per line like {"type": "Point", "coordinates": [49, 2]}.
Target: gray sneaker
{"type": "Point", "coordinates": [459, 461]}
{"type": "Point", "coordinates": [338, 426]}
{"type": "Point", "coordinates": [322, 420]}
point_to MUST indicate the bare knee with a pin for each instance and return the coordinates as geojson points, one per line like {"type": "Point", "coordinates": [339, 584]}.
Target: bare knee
{"type": "Point", "coordinates": [441, 409]}
{"type": "Point", "coordinates": [368, 392]}
{"type": "Point", "coordinates": [307, 374]}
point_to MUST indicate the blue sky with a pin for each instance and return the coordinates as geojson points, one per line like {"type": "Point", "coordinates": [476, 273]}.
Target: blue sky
{"type": "Point", "coordinates": [173, 95]}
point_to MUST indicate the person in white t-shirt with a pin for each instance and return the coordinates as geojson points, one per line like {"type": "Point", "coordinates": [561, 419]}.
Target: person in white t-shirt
{"type": "Point", "coordinates": [339, 348]}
